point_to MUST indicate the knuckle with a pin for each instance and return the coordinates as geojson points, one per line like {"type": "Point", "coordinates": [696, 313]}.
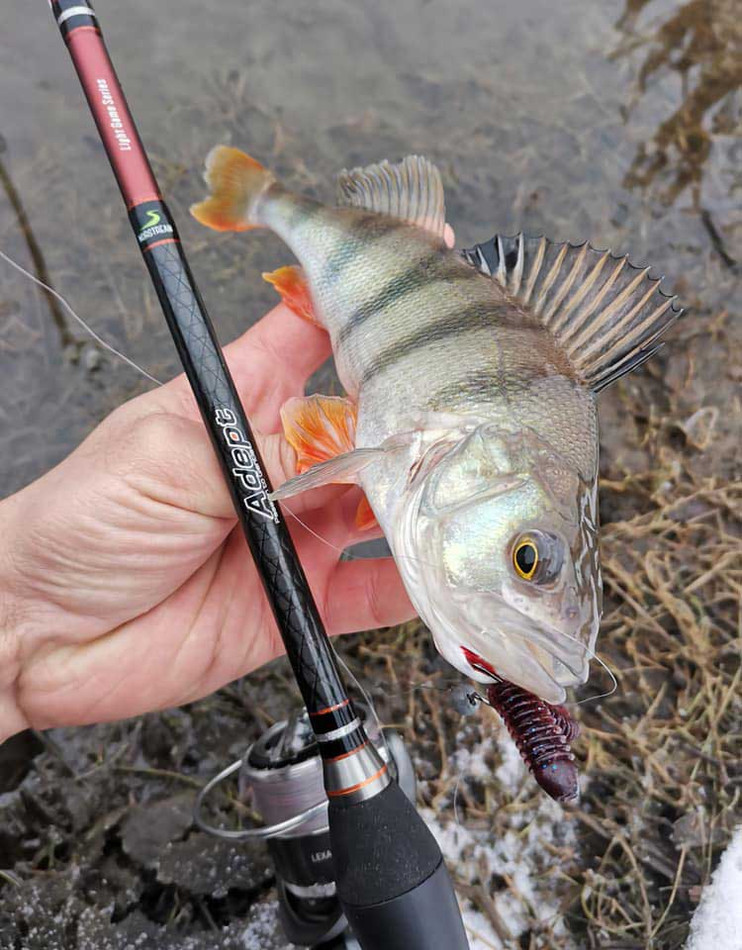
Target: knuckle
{"type": "Point", "coordinates": [137, 446]}
{"type": "Point", "coordinates": [156, 456]}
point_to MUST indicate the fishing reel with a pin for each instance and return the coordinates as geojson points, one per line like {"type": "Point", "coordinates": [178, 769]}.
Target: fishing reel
{"type": "Point", "coordinates": [282, 773]}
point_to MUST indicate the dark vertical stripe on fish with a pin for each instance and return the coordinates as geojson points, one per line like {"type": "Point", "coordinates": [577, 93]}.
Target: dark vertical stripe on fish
{"type": "Point", "coordinates": [362, 233]}
{"type": "Point", "coordinates": [478, 317]}
{"type": "Point", "coordinates": [478, 384]}
{"type": "Point", "coordinates": [419, 275]}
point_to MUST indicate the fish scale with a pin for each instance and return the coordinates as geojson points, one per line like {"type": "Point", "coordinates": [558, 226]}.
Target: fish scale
{"type": "Point", "coordinates": [470, 419]}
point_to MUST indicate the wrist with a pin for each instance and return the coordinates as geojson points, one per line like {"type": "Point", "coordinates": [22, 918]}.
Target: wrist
{"type": "Point", "coordinates": [12, 719]}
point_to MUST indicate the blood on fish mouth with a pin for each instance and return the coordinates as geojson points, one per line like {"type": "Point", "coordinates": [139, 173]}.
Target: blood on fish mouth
{"type": "Point", "coordinates": [478, 663]}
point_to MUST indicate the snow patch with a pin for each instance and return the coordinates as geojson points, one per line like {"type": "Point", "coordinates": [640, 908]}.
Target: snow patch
{"type": "Point", "coordinates": [717, 923]}
{"type": "Point", "coordinates": [262, 929]}
{"type": "Point", "coordinates": [512, 770]}
{"type": "Point", "coordinates": [479, 930]}
{"type": "Point", "coordinates": [516, 868]}
{"type": "Point", "coordinates": [521, 857]}
{"type": "Point", "coordinates": [474, 762]}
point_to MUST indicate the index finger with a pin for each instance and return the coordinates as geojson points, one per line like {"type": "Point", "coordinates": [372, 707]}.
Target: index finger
{"type": "Point", "coordinates": [273, 361]}
{"type": "Point", "coordinates": [270, 363]}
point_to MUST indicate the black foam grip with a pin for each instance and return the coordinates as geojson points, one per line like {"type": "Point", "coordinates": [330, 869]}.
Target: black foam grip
{"type": "Point", "coordinates": [425, 918]}
{"type": "Point", "coordinates": [381, 848]}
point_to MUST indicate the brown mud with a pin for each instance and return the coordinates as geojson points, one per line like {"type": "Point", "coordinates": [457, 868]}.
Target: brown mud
{"type": "Point", "coordinates": [618, 122]}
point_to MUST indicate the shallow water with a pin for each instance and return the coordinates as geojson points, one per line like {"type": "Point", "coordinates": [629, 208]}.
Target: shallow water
{"type": "Point", "coordinates": [618, 123]}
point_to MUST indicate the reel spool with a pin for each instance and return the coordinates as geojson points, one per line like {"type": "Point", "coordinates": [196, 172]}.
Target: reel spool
{"type": "Point", "coordinates": [283, 773]}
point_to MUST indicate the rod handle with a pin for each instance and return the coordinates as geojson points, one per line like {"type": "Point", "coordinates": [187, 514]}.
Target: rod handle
{"type": "Point", "coordinates": [391, 879]}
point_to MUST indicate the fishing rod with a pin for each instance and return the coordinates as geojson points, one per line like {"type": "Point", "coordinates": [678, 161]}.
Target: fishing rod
{"type": "Point", "coordinates": [389, 871]}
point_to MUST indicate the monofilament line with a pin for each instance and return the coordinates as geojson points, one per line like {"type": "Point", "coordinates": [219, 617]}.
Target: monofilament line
{"type": "Point", "coordinates": [79, 319]}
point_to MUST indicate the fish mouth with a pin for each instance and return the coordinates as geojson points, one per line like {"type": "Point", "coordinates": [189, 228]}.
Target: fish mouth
{"type": "Point", "coordinates": [536, 657]}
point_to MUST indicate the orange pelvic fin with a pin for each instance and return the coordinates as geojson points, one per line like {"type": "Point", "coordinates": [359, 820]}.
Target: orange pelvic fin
{"type": "Point", "coordinates": [292, 286]}
{"type": "Point", "coordinates": [365, 517]}
{"type": "Point", "coordinates": [236, 181]}
{"type": "Point", "coordinates": [319, 428]}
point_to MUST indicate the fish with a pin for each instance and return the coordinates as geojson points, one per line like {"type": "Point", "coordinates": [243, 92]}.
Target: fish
{"type": "Point", "coordinates": [469, 420]}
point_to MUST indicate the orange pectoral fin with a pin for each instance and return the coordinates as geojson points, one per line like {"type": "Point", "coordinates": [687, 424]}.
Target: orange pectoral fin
{"type": "Point", "coordinates": [291, 284]}
{"type": "Point", "coordinates": [365, 517]}
{"type": "Point", "coordinates": [319, 428]}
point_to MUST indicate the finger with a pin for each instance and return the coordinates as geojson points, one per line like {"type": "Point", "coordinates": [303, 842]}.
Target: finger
{"type": "Point", "coordinates": [269, 363]}
{"type": "Point", "coordinates": [448, 236]}
{"type": "Point", "coordinates": [324, 533]}
{"type": "Point", "coordinates": [287, 340]}
{"type": "Point", "coordinates": [365, 595]}
{"type": "Point", "coordinates": [273, 361]}
{"type": "Point", "coordinates": [139, 452]}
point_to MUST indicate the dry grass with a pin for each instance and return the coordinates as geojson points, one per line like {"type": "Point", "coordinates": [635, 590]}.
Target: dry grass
{"type": "Point", "coordinates": [664, 750]}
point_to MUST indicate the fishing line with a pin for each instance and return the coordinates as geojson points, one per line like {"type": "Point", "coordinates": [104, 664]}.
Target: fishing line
{"type": "Point", "coordinates": [99, 340]}
{"type": "Point", "coordinates": [609, 692]}
{"type": "Point", "coordinates": [366, 699]}
{"type": "Point", "coordinates": [451, 685]}
{"type": "Point", "coordinates": [349, 557]}
{"type": "Point", "coordinates": [329, 544]}
{"type": "Point", "coordinates": [344, 551]}
{"type": "Point", "coordinates": [447, 687]}
{"type": "Point", "coordinates": [122, 356]}
{"type": "Point", "coordinates": [592, 655]}
{"type": "Point", "coordinates": [456, 801]}
{"type": "Point", "coordinates": [402, 897]}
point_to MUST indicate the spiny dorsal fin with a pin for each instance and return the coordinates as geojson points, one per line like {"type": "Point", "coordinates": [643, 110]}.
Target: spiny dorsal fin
{"type": "Point", "coordinates": [411, 190]}
{"type": "Point", "coordinates": [606, 313]}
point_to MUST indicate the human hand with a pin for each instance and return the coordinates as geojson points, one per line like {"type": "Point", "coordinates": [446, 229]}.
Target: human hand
{"type": "Point", "coordinates": [125, 585]}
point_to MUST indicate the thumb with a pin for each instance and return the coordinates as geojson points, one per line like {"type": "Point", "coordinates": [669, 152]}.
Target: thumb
{"type": "Point", "coordinates": [169, 458]}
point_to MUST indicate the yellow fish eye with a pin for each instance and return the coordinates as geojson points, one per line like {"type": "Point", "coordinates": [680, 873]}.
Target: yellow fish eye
{"type": "Point", "coordinates": [525, 558]}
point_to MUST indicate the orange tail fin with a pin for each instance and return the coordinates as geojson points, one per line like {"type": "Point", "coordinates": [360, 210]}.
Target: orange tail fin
{"type": "Point", "coordinates": [291, 284]}
{"type": "Point", "coordinates": [236, 181]}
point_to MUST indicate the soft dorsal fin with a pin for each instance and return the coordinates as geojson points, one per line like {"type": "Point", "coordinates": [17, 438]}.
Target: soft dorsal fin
{"type": "Point", "coordinates": [411, 190]}
{"type": "Point", "coordinates": [607, 314]}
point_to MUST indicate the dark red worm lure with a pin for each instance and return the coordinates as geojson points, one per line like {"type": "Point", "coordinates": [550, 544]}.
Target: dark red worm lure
{"type": "Point", "coordinates": [541, 732]}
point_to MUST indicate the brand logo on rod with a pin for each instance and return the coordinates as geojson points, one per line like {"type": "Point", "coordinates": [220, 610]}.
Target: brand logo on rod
{"type": "Point", "coordinates": [245, 466]}
{"type": "Point", "coordinates": [153, 227]}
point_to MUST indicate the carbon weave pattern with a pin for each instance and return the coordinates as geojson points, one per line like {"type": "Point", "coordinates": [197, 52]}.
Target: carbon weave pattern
{"type": "Point", "coordinates": [307, 644]}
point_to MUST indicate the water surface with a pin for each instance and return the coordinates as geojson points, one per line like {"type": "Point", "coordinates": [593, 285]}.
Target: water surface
{"type": "Point", "coordinates": [612, 122]}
